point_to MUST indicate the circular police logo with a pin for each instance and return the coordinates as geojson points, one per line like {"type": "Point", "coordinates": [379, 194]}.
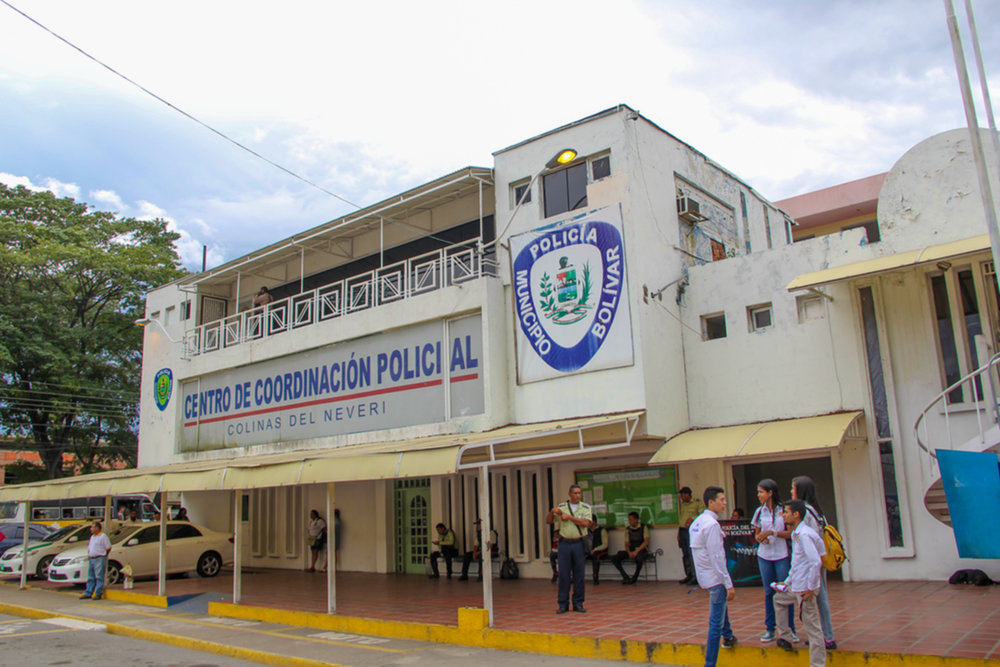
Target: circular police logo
{"type": "Point", "coordinates": [163, 386]}
{"type": "Point", "coordinates": [567, 286]}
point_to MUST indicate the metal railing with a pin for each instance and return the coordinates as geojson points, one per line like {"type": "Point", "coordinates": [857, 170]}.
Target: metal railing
{"type": "Point", "coordinates": [431, 271]}
{"type": "Point", "coordinates": [981, 386]}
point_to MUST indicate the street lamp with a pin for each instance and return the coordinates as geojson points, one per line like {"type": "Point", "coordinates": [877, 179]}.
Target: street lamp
{"type": "Point", "coordinates": [564, 156]}
{"type": "Point", "coordinates": [146, 321]}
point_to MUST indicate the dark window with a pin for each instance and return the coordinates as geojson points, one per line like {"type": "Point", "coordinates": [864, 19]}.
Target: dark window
{"type": "Point", "coordinates": [714, 326]}
{"type": "Point", "coordinates": [946, 337]}
{"type": "Point", "coordinates": [180, 530]}
{"type": "Point", "coordinates": [870, 227]}
{"type": "Point", "coordinates": [973, 323]}
{"type": "Point", "coordinates": [148, 535]}
{"type": "Point", "coordinates": [522, 195]}
{"type": "Point", "coordinates": [565, 190]}
{"type": "Point", "coordinates": [601, 167]}
{"type": "Point", "coordinates": [718, 250]}
{"type": "Point", "coordinates": [185, 310]}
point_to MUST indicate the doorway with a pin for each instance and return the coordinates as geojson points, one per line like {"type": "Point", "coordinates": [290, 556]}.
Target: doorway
{"type": "Point", "coordinates": [746, 476]}
{"type": "Point", "coordinates": [412, 501]}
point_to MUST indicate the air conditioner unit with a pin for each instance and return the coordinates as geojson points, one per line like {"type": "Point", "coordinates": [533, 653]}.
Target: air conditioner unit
{"type": "Point", "coordinates": [689, 209]}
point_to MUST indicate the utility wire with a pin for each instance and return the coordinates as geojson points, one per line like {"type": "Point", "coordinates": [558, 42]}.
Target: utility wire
{"type": "Point", "coordinates": [179, 110]}
{"type": "Point", "coordinates": [14, 384]}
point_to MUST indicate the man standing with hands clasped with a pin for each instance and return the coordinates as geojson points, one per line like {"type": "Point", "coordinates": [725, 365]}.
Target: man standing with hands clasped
{"type": "Point", "coordinates": [802, 585]}
{"type": "Point", "coordinates": [573, 519]}
{"type": "Point", "coordinates": [709, 553]}
{"type": "Point", "coordinates": [97, 551]}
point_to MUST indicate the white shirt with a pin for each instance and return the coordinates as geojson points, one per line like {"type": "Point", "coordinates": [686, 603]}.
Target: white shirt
{"type": "Point", "coordinates": [807, 547]}
{"type": "Point", "coordinates": [709, 551]}
{"type": "Point", "coordinates": [99, 545]}
{"type": "Point", "coordinates": [775, 548]}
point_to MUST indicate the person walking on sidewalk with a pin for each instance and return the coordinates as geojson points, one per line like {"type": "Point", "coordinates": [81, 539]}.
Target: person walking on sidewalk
{"type": "Point", "coordinates": [97, 553]}
{"type": "Point", "coordinates": [573, 518]}
{"type": "Point", "coordinates": [804, 489]}
{"type": "Point", "coordinates": [772, 551]}
{"type": "Point", "coordinates": [687, 511]}
{"type": "Point", "coordinates": [802, 585]}
{"type": "Point", "coordinates": [709, 554]}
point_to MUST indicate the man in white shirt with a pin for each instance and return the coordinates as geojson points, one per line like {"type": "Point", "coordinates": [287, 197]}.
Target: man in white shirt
{"type": "Point", "coordinates": [97, 551]}
{"type": "Point", "coordinates": [802, 585]}
{"type": "Point", "coordinates": [709, 554]}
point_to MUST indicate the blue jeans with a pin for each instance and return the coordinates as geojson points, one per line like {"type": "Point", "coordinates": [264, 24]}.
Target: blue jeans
{"type": "Point", "coordinates": [718, 623]}
{"type": "Point", "coordinates": [95, 577]}
{"type": "Point", "coordinates": [571, 564]}
{"type": "Point", "coordinates": [823, 602]}
{"type": "Point", "coordinates": [771, 571]}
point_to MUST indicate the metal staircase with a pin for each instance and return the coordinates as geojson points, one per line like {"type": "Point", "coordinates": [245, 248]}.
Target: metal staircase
{"type": "Point", "coordinates": [963, 417]}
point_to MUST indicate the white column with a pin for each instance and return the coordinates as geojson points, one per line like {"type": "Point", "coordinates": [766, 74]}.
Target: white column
{"type": "Point", "coordinates": [237, 546]}
{"type": "Point", "coordinates": [484, 537]}
{"type": "Point", "coordinates": [331, 551]}
{"type": "Point", "coordinates": [161, 576]}
{"type": "Point", "coordinates": [24, 547]}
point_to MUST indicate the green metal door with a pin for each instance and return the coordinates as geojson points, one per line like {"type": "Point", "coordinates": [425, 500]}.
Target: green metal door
{"type": "Point", "coordinates": [412, 509]}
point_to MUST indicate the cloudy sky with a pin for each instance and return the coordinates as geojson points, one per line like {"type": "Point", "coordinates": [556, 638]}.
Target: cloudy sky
{"type": "Point", "coordinates": [369, 98]}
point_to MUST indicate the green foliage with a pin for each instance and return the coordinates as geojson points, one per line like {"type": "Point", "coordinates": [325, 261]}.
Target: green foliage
{"type": "Point", "coordinates": [22, 472]}
{"type": "Point", "coordinates": [72, 283]}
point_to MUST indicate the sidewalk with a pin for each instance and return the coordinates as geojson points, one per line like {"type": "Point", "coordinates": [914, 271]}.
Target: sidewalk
{"type": "Point", "coordinates": [889, 623]}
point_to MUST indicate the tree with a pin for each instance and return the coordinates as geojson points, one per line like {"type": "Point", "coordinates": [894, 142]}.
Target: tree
{"type": "Point", "coordinates": [72, 283]}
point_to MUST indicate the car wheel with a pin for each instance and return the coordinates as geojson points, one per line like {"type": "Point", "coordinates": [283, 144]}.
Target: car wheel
{"type": "Point", "coordinates": [42, 569]}
{"type": "Point", "coordinates": [114, 573]}
{"type": "Point", "coordinates": [209, 564]}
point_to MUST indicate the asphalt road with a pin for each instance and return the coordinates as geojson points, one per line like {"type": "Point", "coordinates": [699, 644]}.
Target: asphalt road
{"type": "Point", "coordinates": [25, 642]}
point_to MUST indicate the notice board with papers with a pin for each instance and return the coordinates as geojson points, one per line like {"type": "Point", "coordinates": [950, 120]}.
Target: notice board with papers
{"type": "Point", "coordinates": [652, 492]}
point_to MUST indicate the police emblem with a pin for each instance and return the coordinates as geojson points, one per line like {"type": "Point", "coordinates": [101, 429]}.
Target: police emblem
{"type": "Point", "coordinates": [163, 385]}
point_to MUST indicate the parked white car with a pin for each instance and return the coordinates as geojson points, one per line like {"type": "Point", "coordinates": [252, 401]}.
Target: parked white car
{"type": "Point", "coordinates": [41, 554]}
{"type": "Point", "coordinates": [188, 547]}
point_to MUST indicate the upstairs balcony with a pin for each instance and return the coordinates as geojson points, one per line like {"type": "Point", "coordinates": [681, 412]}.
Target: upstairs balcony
{"type": "Point", "coordinates": [451, 265]}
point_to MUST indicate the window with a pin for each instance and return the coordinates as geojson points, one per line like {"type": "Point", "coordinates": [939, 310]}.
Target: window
{"type": "Point", "coordinates": [746, 221]}
{"type": "Point", "coordinates": [759, 317]}
{"type": "Point", "coordinates": [767, 227]}
{"type": "Point", "coordinates": [870, 227]}
{"type": "Point", "coordinates": [713, 326]}
{"type": "Point", "coordinates": [810, 307]}
{"type": "Point", "coordinates": [958, 321]}
{"type": "Point", "coordinates": [565, 190]}
{"type": "Point", "coordinates": [522, 195]}
{"type": "Point", "coordinates": [718, 251]}
{"type": "Point", "coordinates": [179, 531]}
{"type": "Point", "coordinates": [186, 310]}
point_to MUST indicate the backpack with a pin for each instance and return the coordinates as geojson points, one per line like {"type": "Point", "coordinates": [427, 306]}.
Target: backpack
{"type": "Point", "coordinates": [508, 569]}
{"type": "Point", "coordinates": [835, 556]}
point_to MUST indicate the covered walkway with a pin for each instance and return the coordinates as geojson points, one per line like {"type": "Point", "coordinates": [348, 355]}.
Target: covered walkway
{"type": "Point", "coordinates": [898, 617]}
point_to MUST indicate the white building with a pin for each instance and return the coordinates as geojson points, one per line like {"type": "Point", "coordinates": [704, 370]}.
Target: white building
{"type": "Point", "coordinates": [642, 304]}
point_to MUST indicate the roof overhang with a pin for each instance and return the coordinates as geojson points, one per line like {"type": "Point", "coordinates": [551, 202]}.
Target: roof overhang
{"type": "Point", "coordinates": [416, 457]}
{"type": "Point", "coordinates": [887, 263]}
{"type": "Point", "coordinates": [796, 437]}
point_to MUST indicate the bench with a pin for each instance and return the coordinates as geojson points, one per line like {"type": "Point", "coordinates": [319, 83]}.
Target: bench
{"type": "Point", "coordinates": [649, 570]}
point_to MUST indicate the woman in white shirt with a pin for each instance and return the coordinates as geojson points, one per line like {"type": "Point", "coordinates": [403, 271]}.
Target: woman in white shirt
{"type": "Point", "coordinates": [317, 538]}
{"type": "Point", "coordinates": [773, 556]}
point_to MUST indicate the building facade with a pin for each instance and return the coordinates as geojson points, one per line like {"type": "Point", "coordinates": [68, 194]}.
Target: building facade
{"type": "Point", "coordinates": [636, 320]}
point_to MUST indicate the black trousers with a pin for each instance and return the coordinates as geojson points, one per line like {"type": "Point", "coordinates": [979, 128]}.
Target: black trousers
{"type": "Point", "coordinates": [448, 553]}
{"type": "Point", "coordinates": [639, 559]}
{"type": "Point", "coordinates": [684, 542]}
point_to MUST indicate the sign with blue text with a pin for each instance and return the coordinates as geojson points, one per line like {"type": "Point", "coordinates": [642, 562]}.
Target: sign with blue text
{"type": "Point", "coordinates": [422, 374]}
{"type": "Point", "coordinates": [570, 298]}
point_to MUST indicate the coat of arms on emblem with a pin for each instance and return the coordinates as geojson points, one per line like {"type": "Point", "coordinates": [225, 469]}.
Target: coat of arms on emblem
{"type": "Point", "coordinates": [566, 301]}
{"type": "Point", "coordinates": [163, 384]}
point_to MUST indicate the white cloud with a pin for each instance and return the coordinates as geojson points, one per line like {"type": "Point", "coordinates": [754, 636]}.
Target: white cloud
{"type": "Point", "coordinates": [109, 199]}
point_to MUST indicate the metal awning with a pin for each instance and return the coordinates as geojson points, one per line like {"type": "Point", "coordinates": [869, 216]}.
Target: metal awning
{"type": "Point", "coordinates": [415, 457]}
{"type": "Point", "coordinates": [787, 436]}
{"type": "Point", "coordinates": [902, 260]}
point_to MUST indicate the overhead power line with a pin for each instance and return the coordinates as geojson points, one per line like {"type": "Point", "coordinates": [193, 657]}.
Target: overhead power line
{"type": "Point", "coordinates": [178, 109]}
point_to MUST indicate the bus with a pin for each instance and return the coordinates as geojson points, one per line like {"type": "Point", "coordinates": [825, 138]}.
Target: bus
{"type": "Point", "coordinates": [66, 511]}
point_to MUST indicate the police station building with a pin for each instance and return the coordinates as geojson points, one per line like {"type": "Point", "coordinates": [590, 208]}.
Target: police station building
{"type": "Point", "coordinates": [628, 315]}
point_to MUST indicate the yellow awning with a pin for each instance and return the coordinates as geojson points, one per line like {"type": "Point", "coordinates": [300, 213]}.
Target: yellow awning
{"type": "Point", "coordinates": [415, 457]}
{"type": "Point", "coordinates": [902, 260]}
{"type": "Point", "coordinates": [788, 436]}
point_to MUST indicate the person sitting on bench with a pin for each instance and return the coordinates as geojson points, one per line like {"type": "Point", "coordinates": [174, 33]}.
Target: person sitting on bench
{"type": "Point", "coordinates": [445, 547]}
{"type": "Point", "coordinates": [636, 541]}
{"type": "Point", "coordinates": [476, 553]}
{"type": "Point", "coordinates": [599, 551]}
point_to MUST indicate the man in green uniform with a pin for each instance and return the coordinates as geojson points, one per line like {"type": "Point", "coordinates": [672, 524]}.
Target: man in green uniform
{"type": "Point", "coordinates": [688, 511]}
{"type": "Point", "coordinates": [573, 518]}
{"type": "Point", "coordinates": [445, 547]}
{"type": "Point", "coordinates": [493, 544]}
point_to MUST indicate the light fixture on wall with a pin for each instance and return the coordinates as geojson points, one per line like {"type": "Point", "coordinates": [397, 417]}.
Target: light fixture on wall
{"type": "Point", "coordinates": [944, 266]}
{"type": "Point", "coordinates": [564, 156]}
{"type": "Point", "coordinates": [146, 321]}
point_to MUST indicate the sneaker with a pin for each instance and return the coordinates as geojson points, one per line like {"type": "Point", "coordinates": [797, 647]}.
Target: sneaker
{"type": "Point", "coordinates": [795, 638]}
{"type": "Point", "coordinates": [729, 642]}
{"type": "Point", "coordinates": [830, 645]}
{"type": "Point", "coordinates": [767, 636]}
{"type": "Point", "coordinates": [84, 597]}
{"type": "Point", "coordinates": [785, 644]}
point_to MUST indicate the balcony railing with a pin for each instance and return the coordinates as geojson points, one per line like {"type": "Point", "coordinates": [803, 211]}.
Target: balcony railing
{"type": "Point", "coordinates": [418, 275]}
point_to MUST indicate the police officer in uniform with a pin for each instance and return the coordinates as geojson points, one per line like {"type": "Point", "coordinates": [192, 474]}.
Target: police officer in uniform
{"type": "Point", "coordinates": [573, 518]}
{"type": "Point", "coordinates": [445, 547]}
{"type": "Point", "coordinates": [636, 541]}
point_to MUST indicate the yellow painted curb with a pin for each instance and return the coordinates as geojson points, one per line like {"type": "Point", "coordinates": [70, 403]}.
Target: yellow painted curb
{"type": "Point", "coordinates": [137, 598]}
{"type": "Point", "coordinates": [472, 631]}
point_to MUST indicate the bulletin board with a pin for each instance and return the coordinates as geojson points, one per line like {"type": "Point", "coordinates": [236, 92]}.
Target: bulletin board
{"type": "Point", "coordinates": [652, 492]}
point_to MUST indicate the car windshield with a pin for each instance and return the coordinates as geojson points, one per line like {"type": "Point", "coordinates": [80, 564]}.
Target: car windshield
{"type": "Point", "coordinates": [8, 510]}
{"type": "Point", "coordinates": [62, 533]}
{"type": "Point", "coordinates": [121, 534]}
